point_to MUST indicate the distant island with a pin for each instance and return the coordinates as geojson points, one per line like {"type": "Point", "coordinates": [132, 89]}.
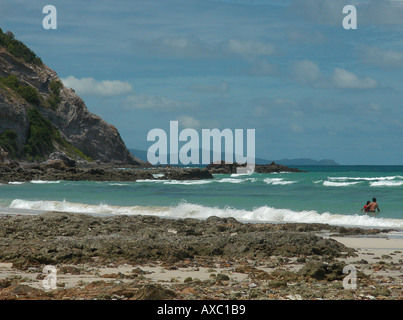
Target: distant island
{"type": "Point", "coordinates": [142, 155]}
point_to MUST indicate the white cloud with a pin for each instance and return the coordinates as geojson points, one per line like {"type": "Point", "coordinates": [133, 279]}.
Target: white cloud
{"type": "Point", "coordinates": [383, 58]}
{"type": "Point", "coordinates": [160, 103]}
{"type": "Point", "coordinates": [306, 72]}
{"type": "Point", "coordinates": [91, 87]}
{"type": "Point", "coordinates": [347, 80]}
{"type": "Point", "coordinates": [189, 122]}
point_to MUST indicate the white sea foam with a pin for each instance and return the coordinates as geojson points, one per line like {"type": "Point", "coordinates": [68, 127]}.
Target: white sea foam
{"type": "Point", "coordinates": [175, 182]}
{"type": "Point", "coordinates": [386, 183]}
{"type": "Point", "coordinates": [65, 206]}
{"type": "Point", "coordinates": [187, 210]}
{"type": "Point", "coordinates": [16, 182]}
{"type": "Point", "coordinates": [188, 182]}
{"type": "Point", "coordinates": [339, 184]}
{"type": "Point", "coordinates": [234, 175]}
{"type": "Point", "coordinates": [158, 175]}
{"type": "Point", "coordinates": [278, 181]}
{"type": "Point", "coordinates": [280, 172]}
{"type": "Point", "coordinates": [230, 180]}
{"type": "Point", "coordinates": [44, 182]}
{"type": "Point", "coordinates": [365, 178]}
{"type": "Point", "coordinates": [151, 180]}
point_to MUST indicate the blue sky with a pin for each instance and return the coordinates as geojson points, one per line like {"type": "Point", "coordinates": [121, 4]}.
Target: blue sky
{"type": "Point", "coordinates": [285, 68]}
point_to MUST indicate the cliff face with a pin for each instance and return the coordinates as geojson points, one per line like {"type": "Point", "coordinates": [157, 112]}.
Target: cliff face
{"type": "Point", "coordinates": [71, 127]}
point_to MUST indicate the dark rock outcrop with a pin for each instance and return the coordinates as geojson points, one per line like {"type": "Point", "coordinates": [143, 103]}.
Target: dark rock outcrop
{"type": "Point", "coordinates": [65, 169]}
{"type": "Point", "coordinates": [60, 156]}
{"type": "Point", "coordinates": [57, 237]}
{"type": "Point", "coordinates": [224, 168]}
{"type": "Point", "coordinates": [3, 155]}
{"type": "Point", "coordinates": [187, 174]}
{"type": "Point", "coordinates": [319, 270]}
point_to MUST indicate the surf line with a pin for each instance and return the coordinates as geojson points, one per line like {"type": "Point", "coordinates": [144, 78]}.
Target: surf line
{"type": "Point", "coordinates": [189, 153]}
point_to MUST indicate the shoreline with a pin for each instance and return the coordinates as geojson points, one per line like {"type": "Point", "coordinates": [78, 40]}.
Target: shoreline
{"type": "Point", "coordinates": [8, 211]}
{"type": "Point", "coordinates": [69, 170]}
{"type": "Point", "coordinates": [266, 270]}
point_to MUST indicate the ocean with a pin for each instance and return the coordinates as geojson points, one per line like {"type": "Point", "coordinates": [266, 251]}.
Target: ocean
{"type": "Point", "coordinates": [323, 194]}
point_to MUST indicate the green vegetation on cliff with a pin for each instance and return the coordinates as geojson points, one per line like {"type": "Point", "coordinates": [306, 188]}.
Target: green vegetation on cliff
{"type": "Point", "coordinates": [31, 94]}
{"type": "Point", "coordinates": [43, 138]}
{"type": "Point", "coordinates": [40, 137]}
{"type": "Point", "coordinates": [28, 93]}
{"type": "Point", "coordinates": [54, 98]}
{"type": "Point", "coordinates": [18, 49]}
{"type": "Point", "coordinates": [8, 141]}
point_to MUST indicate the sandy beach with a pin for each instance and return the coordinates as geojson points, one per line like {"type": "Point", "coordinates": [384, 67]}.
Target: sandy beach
{"type": "Point", "coordinates": [253, 272]}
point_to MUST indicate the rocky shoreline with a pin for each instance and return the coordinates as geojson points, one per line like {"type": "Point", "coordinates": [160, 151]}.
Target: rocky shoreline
{"type": "Point", "coordinates": [58, 170]}
{"type": "Point", "coordinates": [146, 257]}
{"type": "Point", "coordinates": [60, 167]}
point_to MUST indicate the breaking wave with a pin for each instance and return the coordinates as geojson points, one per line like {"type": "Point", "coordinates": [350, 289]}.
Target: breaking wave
{"type": "Point", "coordinates": [365, 178]}
{"type": "Point", "coordinates": [44, 181]}
{"type": "Point", "coordinates": [388, 181]}
{"type": "Point", "coordinates": [339, 184]}
{"type": "Point", "coordinates": [188, 210]}
{"type": "Point", "coordinates": [386, 184]}
{"type": "Point", "coordinates": [278, 181]}
{"type": "Point", "coordinates": [188, 182]}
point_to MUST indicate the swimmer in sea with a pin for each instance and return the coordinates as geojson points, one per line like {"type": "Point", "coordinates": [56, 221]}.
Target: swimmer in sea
{"type": "Point", "coordinates": [365, 207]}
{"type": "Point", "coordinates": [373, 206]}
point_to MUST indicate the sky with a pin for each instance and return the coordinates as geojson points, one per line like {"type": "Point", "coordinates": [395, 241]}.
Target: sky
{"type": "Point", "coordinates": [285, 68]}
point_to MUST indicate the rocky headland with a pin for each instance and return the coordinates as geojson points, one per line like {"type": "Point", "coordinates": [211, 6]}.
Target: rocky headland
{"type": "Point", "coordinates": [39, 115]}
{"type": "Point", "coordinates": [47, 132]}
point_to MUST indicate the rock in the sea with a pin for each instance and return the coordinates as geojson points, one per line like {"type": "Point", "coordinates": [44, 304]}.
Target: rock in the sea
{"type": "Point", "coordinates": [187, 174]}
{"type": "Point", "coordinates": [229, 168]}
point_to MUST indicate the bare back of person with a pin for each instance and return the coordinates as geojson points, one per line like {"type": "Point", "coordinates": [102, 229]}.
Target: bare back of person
{"type": "Point", "coordinates": [373, 206]}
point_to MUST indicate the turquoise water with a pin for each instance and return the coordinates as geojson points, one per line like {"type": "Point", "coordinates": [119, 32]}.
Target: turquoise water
{"type": "Point", "coordinates": [324, 194]}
